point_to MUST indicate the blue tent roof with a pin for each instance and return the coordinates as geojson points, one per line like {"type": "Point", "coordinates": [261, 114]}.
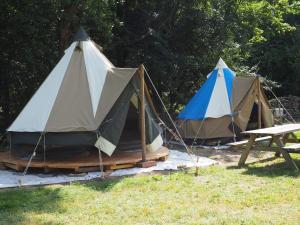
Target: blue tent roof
{"type": "Point", "coordinates": [213, 99]}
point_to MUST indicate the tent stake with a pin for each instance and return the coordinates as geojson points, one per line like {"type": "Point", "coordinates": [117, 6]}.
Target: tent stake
{"type": "Point", "coordinates": [142, 111]}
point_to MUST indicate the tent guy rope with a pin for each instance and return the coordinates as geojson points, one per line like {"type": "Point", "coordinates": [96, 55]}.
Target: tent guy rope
{"type": "Point", "coordinates": [31, 157]}
{"type": "Point", "coordinates": [169, 116]}
{"type": "Point", "coordinates": [288, 113]}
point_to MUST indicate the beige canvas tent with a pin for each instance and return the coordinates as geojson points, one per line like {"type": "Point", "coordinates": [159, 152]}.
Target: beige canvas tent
{"type": "Point", "coordinates": [247, 106]}
{"type": "Point", "coordinates": [86, 102]}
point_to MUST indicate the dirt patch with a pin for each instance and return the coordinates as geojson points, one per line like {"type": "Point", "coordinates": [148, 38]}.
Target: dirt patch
{"type": "Point", "coordinates": [228, 157]}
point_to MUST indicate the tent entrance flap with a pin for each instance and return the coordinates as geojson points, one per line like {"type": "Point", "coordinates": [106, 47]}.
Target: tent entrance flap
{"type": "Point", "coordinates": [112, 126]}
{"type": "Point", "coordinates": [253, 119]}
{"type": "Point", "coordinates": [120, 123]}
{"type": "Point", "coordinates": [131, 138]}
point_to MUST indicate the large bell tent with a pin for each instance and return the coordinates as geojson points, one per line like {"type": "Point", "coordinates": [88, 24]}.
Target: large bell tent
{"type": "Point", "coordinates": [86, 101]}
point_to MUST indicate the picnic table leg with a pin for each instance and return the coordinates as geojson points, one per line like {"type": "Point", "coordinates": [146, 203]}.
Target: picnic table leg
{"type": "Point", "coordinates": [271, 142]}
{"type": "Point", "coordinates": [285, 154]}
{"type": "Point", "coordinates": [277, 154]}
{"type": "Point", "coordinates": [284, 138]}
{"type": "Point", "coordinates": [284, 141]}
{"type": "Point", "coordinates": [246, 151]}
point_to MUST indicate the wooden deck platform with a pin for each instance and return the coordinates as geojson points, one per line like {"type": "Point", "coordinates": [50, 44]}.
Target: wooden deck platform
{"type": "Point", "coordinates": [87, 162]}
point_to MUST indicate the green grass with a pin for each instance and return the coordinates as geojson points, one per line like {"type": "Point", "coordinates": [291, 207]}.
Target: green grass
{"type": "Point", "coordinates": [298, 134]}
{"type": "Point", "coordinates": [261, 193]}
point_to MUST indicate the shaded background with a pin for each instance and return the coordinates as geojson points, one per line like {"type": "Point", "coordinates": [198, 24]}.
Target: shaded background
{"type": "Point", "coordinates": [179, 41]}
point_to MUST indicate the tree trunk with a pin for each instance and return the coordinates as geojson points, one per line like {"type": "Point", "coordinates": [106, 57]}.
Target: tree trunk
{"type": "Point", "coordinates": [5, 100]}
{"type": "Point", "coordinates": [68, 22]}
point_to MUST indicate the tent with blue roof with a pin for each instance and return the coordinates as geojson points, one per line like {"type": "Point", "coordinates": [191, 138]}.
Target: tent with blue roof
{"type": "Point", "coordinates": [224, 106]}
{"type": "Point", "coordinates": [213, 100]}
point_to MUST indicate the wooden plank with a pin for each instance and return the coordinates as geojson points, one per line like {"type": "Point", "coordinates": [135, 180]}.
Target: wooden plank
{"type": "Point", "coordinates": [265, 148]}
{"type": "Point", "coordinates": [246, 151]}
{"type": "Point", "coordinates": [239, 143]}
{"type": "Point", "coordinates": [142, 112]}
{"type": "Point", "coordinates": [90, 160]}
{"type": "Point", "coordinates": [87, 169]}
{"type": "Point", "coordinates": [292, 147]}
{"type": "Point", "coordinates": [146, 164]}
{"type": "Point", "coordinates": [285, 154]}
{"type": "Point", "coordinates": [271, 141]}
{"type": "Point", "coordinates": [282, 129]}
{"type": "Point", "coordinates": [14, 166]}
{"type": "Point", "coordinates": [122, 166]}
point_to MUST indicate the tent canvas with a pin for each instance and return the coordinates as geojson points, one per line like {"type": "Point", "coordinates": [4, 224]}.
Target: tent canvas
{"type": "Point", "coordinates": [224, 106]}
{"type": "Point", "coordinates": [84, 101]}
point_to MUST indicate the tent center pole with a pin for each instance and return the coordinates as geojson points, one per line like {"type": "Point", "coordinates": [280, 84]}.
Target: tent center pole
{"type": "Point", "coordinates": [142, 111]}
{"type": "Point", "coordinates": [44, 148]}
{"type": "Point", "coordinates": [259, 103]}
{"type": "Point", "coordinates": [10, 146]}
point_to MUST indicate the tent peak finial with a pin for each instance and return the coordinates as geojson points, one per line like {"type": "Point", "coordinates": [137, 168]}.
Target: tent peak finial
{"type": "Point", "coordinates": [81, 35]}
{"type": "Point", "coordinates": [221, 64]}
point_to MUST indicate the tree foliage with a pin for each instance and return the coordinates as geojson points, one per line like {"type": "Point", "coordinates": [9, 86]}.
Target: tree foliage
{"type": "Point", "coordinates": [179, 41]}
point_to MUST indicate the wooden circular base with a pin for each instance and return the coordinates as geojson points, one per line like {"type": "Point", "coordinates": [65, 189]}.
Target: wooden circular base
{"type": "Point", "coordinates": [87, 162]}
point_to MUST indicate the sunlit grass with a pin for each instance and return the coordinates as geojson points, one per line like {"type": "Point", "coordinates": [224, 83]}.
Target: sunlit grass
{"type": "Point", "coordinates": [298, 134]}
{"type": "Point", "coordinates": [262, 193]}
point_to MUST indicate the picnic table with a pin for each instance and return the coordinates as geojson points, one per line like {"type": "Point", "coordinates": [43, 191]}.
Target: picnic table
{"type": "Point", "coordinates": [277, 137]}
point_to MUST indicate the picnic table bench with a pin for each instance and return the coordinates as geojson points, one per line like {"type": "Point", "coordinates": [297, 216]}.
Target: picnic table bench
{"type": "Point", "coordinates": [295, 148]}
{"type": "Point", "coordinates": [278, 135]}
{"type": "Point", "coordinates": [244, 142]}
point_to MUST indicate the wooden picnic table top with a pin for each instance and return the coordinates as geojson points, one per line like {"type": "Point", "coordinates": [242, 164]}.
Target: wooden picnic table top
{"type": "Point", "coordinates": [277, 130]}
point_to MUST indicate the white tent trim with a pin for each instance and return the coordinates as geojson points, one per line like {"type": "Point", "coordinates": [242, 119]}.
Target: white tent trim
{"type": "Point", "coordinates": [34, 116]}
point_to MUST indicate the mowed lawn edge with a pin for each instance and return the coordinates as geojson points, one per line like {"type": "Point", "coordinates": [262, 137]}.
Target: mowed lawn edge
{"type": "Point", "coordinates": [266, 192]}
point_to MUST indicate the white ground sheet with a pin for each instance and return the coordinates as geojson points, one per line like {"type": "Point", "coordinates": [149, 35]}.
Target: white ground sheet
{"type": "Point", "coordinates": [215, 147]}
{"type": "Point", "coordinates": [176, 159]}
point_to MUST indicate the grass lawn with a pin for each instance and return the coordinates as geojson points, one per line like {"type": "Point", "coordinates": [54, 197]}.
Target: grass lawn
{"type": "Point", "coordinates": [261, 193]}
{"type": "Point", "coordinates": [298, 134]}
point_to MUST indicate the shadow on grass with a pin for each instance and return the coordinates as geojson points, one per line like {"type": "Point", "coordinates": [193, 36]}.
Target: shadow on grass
{"type": "Point", "coordinates": [104, 185]}
{"type": "Point", "coordinates": [270, 167]}
{"type": "Point", "coordinates": [109, 183]}
{"type": "Point", "coordinates": [15, 204]}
